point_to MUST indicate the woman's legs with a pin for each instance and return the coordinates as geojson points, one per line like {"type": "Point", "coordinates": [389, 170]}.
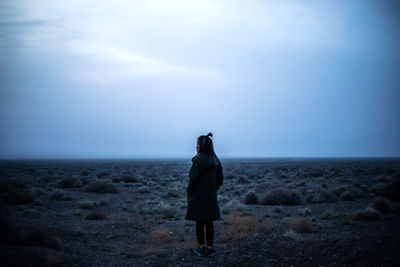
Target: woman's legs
{"type": "Point", "coordinates": [209, 232]}
{"type": "Point", "coordinates": [200, 232]}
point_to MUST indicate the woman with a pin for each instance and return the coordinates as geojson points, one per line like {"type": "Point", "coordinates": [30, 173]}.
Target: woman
{"type": "Point", "coordinates": [205, 178]}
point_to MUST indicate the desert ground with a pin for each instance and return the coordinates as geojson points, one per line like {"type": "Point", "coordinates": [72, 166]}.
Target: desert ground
{"type": "Point", "coordinates": [275, 212]}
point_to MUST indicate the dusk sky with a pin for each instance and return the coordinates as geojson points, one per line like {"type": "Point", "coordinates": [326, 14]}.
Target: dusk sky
{"type": "Point", "coordinates": [127, 79]}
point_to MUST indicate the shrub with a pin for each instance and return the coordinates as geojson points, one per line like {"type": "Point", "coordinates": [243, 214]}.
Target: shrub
{"type": "Point", "coordinates": [232, 206]}
{"type": "Point", "coordinates": [125, 179]}
{"type": "Point", "coordinates": [321, 196]}
{"type": "Point", "coordinates": [95, 215]}
{"type": "Point", "coordinates": [15, 234]}
{"type": "Point", "coordinates": [37, 238]}
{"type": "Point", "coordinates": [87, 204]}
{"type": "Point", "coordinates": [281, 196]}
{"type": "Point", "coordinates": [316, 172]}
{"type": "Point", "coordinates": [367, 214]}
{"type": "Point", "coordinates": [328, 215]}
{"type": "Point", "coordinates": [299, 224]}
{"type": "Point", "coordinates": [278, 209]}
{"type": "Point", "coordinates": [348, 193]}
{"type": "Point", "coordinates": [390, 190]}
{"type": "Point", "coordinates": [396, 208]}
{"type": "Point", "coordinates": [251, 198]}
{"type": "Point", "coordinates": [54, 260]}
{"type": "Point", "coordinates": [382, 205]}
{"type": "Point", "coordinates": [242, 180]}
{"type": "Point", "coordinates": [102, 174]}
{"type": "Point", "coordinates": [101, 187]}
{"type": "Point", "coordinates": [290, 233]}
{"type": "Point", "coordinates": [339, 189]}
{"type": "Point", "coordinates": [304, 212]}
{"type": "Point", "coordinates": [143, 190]}
{"type": "Point", "coordinates": [13, 191]}
{"type": "Point", "coordinates": [172, 193]}
{"type": "Point", "coordinates": [240, 227]}
{"type": "Point", "coordinates": [103, 202]}
{"type": "Point", "coordinates": [84, 173]}
{"type": "Point", "coordinates": [57, 195]}
{"type": "Point", "coordinates": [69, 182]}
{"type": "Point", "coordinates": [168, 211]}
{"type": "Point", "coordinates": [68, 197]}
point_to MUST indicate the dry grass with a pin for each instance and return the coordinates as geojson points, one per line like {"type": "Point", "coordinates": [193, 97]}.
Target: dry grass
{"type": "Point", "coordinates": [299, 224]}
{"type": "Point", "coordinates": [161, 236]}
{"type": "Point", "coordinates": [129, 251]}
{"type": "Point", "coordinates": [240, 227]}
{"type": "Point", "coordinates": [189, 244]}
{"type": "Point", "coordinates": [161, 240]}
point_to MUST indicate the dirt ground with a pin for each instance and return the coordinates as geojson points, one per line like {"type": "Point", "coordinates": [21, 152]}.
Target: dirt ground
{"type": "Point", "coordinates": [275, 212]}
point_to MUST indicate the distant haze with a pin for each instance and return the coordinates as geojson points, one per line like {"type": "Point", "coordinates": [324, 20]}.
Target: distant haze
{"type": "Point", "coordinates": [126, 79]}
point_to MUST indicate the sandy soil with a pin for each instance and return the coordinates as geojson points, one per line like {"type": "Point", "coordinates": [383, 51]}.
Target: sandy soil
{"type": "Point", "coordinates": [130, 213]}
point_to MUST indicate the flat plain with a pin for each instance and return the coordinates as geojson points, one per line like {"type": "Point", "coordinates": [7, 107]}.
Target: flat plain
{"type": "Point", "coordinates": [275, 212]}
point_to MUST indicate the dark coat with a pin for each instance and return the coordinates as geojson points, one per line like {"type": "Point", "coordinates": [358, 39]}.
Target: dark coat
{"type": "Point", "coordinates": [204, 182]}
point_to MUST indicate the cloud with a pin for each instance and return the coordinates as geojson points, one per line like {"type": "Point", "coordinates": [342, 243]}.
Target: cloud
{"type": "Point", "coordinates": [110, 63]}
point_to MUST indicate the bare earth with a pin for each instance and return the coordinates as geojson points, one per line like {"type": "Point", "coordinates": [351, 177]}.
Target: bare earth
{"type": "Point", "coordinates": [130, 213]}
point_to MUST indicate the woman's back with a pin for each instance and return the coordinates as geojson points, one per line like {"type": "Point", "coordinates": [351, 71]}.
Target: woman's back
{"type": "Point", "coordinates": [207, 176]}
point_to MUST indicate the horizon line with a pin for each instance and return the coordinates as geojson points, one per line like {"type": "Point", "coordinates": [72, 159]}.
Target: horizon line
{"type": "Point", "coordinates": [155, 158]}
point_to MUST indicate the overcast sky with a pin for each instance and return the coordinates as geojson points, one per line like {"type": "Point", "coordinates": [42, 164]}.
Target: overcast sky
{"type": "Point", "coordinates": [145, 78]}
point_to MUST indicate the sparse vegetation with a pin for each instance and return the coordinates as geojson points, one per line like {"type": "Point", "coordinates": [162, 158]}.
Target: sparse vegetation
{"type": "Point", "coordinates": [145, 223]}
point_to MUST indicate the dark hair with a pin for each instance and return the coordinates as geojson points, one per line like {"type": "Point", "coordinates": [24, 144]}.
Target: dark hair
{"type": "Point", "coordinates": [206, 147]}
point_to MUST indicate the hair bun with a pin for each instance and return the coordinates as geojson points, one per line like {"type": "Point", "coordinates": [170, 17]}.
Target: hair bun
{"type": "Point", "coordinates": [210, 135]}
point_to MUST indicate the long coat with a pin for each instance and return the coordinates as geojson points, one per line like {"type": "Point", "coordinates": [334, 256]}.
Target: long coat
{"type": "Point", "coordinates": [204, 182]}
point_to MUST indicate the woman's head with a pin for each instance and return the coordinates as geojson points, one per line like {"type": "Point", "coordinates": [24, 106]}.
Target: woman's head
{"type": "Point", "coordinates": [205, 146]}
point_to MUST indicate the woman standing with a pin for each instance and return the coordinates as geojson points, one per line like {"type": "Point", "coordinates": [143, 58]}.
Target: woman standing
{"type": "Point", "coordinates": [205, 178]}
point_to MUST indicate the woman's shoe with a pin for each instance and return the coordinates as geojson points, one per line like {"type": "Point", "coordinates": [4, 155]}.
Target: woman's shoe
{"type": "Point", "coordinates": [211, 251]}
{"type": "Point", "coordinates": [200, 251]}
